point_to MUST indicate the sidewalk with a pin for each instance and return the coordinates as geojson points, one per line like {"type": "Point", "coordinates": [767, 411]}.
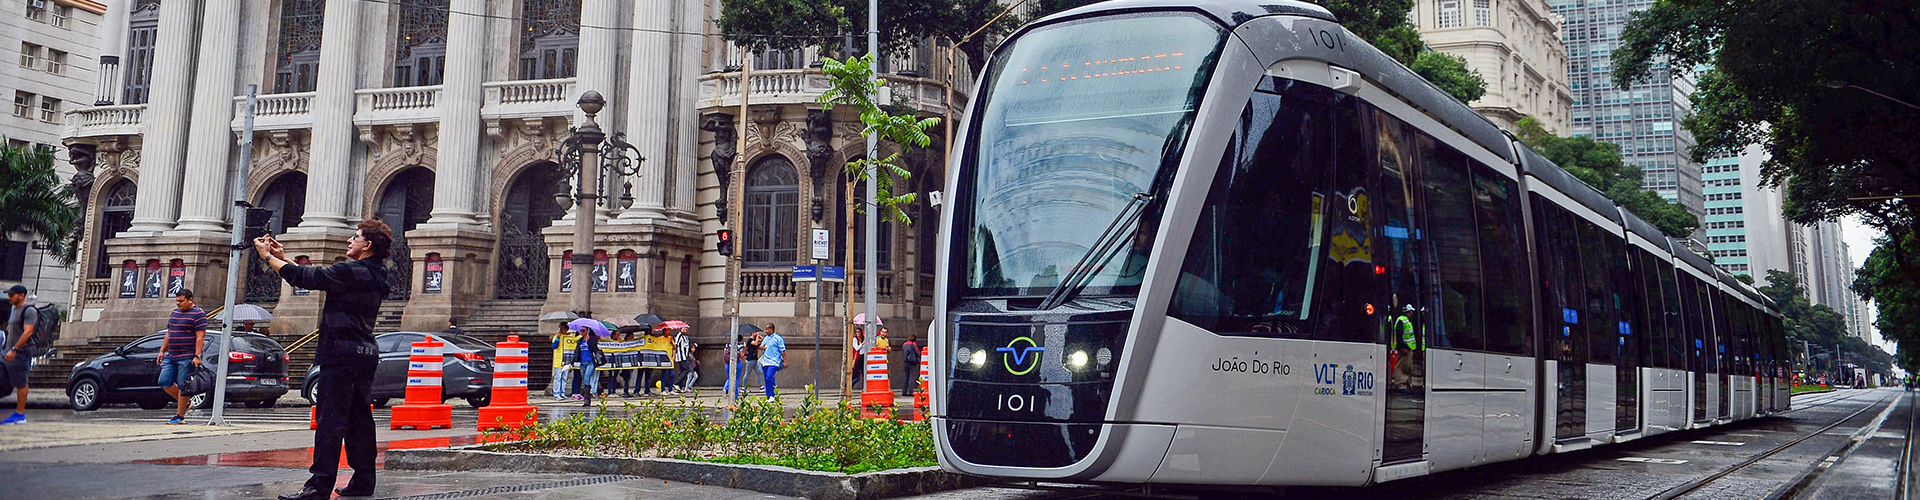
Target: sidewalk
{"type": "Point", "coordinates": [714, 397]}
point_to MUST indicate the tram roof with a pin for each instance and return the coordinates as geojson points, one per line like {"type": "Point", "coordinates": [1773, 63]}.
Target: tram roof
{"type": "Point", "coordinates": [1560, 180]}
{"type": "Point", "coordinates": [1639, 226]}
{"type": "Point", "coordinates": [1361, 57]}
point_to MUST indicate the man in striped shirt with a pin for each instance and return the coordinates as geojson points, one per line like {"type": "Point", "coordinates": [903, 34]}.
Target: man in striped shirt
{"type": "Point", "coordinates": [186, 335]}
{"type": "Point", "coordinates": [683, 362]}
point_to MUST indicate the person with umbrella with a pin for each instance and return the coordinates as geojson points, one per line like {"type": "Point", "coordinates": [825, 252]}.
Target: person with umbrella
{"type": "Point", "coordinates": [683, 374]}
{"type": "Point", "coordinates": [589, 353]}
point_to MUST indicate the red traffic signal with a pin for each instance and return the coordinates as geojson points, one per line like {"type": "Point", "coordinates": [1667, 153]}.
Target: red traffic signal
{"type": "Point", "coordinates": [726, 241]}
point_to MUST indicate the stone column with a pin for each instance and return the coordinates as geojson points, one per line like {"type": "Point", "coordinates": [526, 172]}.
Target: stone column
{"type": "Point", "coordinates": [598, 62]}
{"type": "Point", "coordinates": [329, 169]}
{"type": "Point", "coordinates": [686, 87]}
{"type": "Point", "coordinates": [647, 113]}
{"type": "Point", "coordinates": [113, 40]}
{"type": "Point", "coordinates": [204, 201]}
{"type": "Point", "coordinates": [456, 189]}
{"type": "Point", "coordinates": [164, 154]}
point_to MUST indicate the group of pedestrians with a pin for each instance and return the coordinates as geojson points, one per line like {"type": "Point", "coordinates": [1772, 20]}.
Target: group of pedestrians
{"type": "Point", "coordinates": [762, 354]}
{"type": "Point", "coordinates": [666, 359]}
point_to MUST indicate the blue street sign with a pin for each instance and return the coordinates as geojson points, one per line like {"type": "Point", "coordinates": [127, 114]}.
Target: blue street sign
{"type": "Point", "coordinates": [805, 273]}
{"type": "Point", "coordinates": [833, 273]}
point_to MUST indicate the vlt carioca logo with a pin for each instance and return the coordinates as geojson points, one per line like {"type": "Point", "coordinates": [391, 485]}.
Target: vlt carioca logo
{"type": "Point", "coordinates": [1013, 356]}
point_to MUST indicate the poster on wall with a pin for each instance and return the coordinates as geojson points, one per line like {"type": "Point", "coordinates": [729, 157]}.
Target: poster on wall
{"type": "Point", "coordinates": [129, 280]}
{"type": "Point", "coordinates": [153, 280]}
{"type": "Point", "coordinates": [628, 267]}
{"type": "Point", "coordinates": [599, 271]}
{"type": "Point", "coordinates": [435, 272]}
{"type": "Point", "coordinates": [176, 277]}
{"type": "Point", "coordinates": [566, 272]}
{"type": "Point", "coordinates": [304, 261]}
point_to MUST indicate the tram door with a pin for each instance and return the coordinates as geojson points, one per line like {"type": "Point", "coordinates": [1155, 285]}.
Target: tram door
{"type": "Point", "coordinates": [1401, 252]}
{"type": "Point", "coordinates": [1564, 288]}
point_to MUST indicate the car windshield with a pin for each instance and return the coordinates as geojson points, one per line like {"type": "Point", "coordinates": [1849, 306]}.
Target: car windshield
{"type": "Point", "coordinates": [1078, 119]}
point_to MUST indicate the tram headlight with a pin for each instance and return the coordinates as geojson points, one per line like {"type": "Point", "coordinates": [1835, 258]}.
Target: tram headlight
{"type": "Point", "coordinates": [978, 359]}
{"type": "Point", "coordinates": [1077, 360]}
{"type": "Point", "coordinates": [1103, 356]}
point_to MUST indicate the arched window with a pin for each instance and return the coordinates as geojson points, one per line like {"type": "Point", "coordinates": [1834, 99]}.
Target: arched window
{"type": "Point", "coordinates": [143, 25]}
{"type": "Point", "coordinates": [420, 53]}
{"type": "Point", "coordinates": [116, 215]}
{"type": "Point", "coordinates": [549, 38]}
{"type": "Point", "coordinates": [773, 210]}
{"type": "Point", "coordinates": [298, 62]}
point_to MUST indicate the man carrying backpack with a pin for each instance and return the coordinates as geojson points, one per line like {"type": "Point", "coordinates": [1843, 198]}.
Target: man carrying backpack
{"type": "Point", "coordinates": [22, 319]}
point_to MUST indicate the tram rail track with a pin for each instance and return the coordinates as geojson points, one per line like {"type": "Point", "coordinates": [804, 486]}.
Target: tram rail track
{"type": "Point", "coordinates": [1806, 477]}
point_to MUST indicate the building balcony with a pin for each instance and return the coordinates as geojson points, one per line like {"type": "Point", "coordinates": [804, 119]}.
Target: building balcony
{"type": "Point", "coordinates": [528, 99]}
{"type": "Point", "coordinates": [396, 106]}
{"type": "Point", "coordinates": [275, 111]}
{"type": "Point", "coordinates": [103, 121]}
{"type": "Point", "coordinates": [720, 92]}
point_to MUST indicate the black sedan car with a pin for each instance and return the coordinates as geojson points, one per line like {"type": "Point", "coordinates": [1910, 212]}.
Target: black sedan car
{"type": "Point", "coordinates": [256, 373]}
{"type": "Point", "coordinates": [466, 369]}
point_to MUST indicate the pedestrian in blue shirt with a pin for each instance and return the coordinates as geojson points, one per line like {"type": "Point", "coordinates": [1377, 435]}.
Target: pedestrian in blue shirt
{"type": "Point", "coordinates": [590, 355]}
{"type": "Point", "coordinates": [773, 350]}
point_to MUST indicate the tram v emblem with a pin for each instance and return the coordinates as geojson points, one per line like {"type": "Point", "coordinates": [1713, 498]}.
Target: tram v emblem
{"type": "Point", "coordinates": [1332, 378]}
{"type": "Point", "coordinates": [1015, 358]}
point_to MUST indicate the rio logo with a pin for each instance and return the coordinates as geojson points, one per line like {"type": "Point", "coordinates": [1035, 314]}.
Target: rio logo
{"type": "Point", "coordinates": [1356, 383]}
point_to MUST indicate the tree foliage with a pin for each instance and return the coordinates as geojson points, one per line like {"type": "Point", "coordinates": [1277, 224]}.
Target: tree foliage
{"type": "Point", "coordinates": [1817, 324]}
{"type": "Point", "coordinates": [33, 200]}
{"type": "Point", "coordinates": [1896, 296]}
{"type": "Point", "coordinates": [1837, 151]}
{"type": "Point", "coordinates": [852, 83]}
{"type": "Point", "coordinates": [1598, 164]}
{"type": "Point", "coordinates": [1450, 73]}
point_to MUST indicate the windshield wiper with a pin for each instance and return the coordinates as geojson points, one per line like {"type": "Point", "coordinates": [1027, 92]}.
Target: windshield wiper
{"type": "Point", "coordinates": [1102, 250]}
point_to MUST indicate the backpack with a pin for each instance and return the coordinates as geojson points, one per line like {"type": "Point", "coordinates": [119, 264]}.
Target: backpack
{"type": "Point", "coordinates": [47, 328]}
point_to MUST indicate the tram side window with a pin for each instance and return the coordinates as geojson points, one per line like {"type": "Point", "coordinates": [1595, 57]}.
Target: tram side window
{"type": "Point", "coordinates": [1252, 265]}
{"type": "Point", "coordinates": [1503, 257]}
{"type": "Point", "coordinates": [1654, 312]}
{"type": "Point", "coordinates": [1563, 286]}
{"type": "Point", "coordinates": [1691, 343]}
{"type": "Point", "coordinates": [1675, 321]}
{"type": "Point", "coordinates": [1620, 298]}
{"type": "Point", "coordinates": [1722, 328]}
{"type": "Point", "coordinates": [1708, 311]}
{"type": "Point", "coordinates": [1456, 242]}
{"type": "Point", "coordinates": [1597, 308]}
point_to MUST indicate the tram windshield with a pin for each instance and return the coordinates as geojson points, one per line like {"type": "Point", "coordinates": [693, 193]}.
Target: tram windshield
{"type": "Point", "coordinates": [1078, 119]}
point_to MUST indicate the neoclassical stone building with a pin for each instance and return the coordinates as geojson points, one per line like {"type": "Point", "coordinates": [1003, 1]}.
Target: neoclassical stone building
{"type": "Point", "coordinates": [1515, 45]}
{"type": "Point", "coordinates": [445, 120]}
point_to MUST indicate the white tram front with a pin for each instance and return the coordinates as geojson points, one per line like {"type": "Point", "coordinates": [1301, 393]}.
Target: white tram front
{"type": "Point", "coordinates": [1228, 242]}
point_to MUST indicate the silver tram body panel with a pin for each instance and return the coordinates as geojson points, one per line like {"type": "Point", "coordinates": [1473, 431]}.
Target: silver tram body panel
{"type": "Point", "coordinates": [1187, 405]}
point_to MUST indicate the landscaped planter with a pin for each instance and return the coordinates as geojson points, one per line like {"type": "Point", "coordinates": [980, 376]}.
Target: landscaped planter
{"type": "Point", "coordinates": [763, 478]}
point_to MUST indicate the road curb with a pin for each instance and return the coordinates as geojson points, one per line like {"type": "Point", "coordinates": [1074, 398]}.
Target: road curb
{"type": "Point", "coordinates": [762, 478]}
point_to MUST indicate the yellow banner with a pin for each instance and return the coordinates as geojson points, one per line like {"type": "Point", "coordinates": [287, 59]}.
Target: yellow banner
{"type": "Point", "coordinates": [655, 353]}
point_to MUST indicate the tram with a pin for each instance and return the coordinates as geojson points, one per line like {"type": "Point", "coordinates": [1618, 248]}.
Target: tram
{"type": "Point", "coordinates": [1228, 242]}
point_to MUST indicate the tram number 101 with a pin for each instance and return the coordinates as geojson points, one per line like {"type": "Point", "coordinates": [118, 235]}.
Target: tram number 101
{"type": "Point", "coordinates": [1018, 403]}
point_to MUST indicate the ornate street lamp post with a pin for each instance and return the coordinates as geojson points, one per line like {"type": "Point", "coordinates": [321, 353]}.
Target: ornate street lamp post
{"type": "Point", "coordinates": [585, 147]}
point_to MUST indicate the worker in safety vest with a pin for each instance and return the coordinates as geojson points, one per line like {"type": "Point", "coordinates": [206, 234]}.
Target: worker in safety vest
{"type": "Point", "coordinates": [1406, 342]}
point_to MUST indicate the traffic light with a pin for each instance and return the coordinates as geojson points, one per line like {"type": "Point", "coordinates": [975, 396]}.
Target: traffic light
{"type": "Point", "coordinates": [258, 219]}
{"type": "Point", "coordinates": [726, 241]}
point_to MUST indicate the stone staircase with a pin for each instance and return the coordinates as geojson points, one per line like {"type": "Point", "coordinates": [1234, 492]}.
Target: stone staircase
{"type": "Point", "coordinates": [494, 320]}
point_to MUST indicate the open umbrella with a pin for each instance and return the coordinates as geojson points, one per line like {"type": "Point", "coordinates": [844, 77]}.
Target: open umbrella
{"type": "Point", "coordinates": [672, 324]}
{"type": "Point", "coordinates": [590, 324]}
{"type": "Point", "coordinates": [560, 316]}
{"type": "Point", "coordinates": [861, 319]}
{"type": "Point", "coordinates": [648, 319]}
{"type": "Point", "coordinates": [622, 322]}
{"type": "Point", "coordinates": [748, 329]}
{"type": "Point", "coordinates": [245, 312]}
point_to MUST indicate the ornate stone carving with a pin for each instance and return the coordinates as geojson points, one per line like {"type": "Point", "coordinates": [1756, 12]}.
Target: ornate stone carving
{"type": "Point", "coordinates": [725, 150]}
{"type": "Point", "coordinates": [819, 143]}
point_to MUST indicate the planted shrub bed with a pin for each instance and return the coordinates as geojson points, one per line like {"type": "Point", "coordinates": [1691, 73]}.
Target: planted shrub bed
{"type": "Point", "coordinates": [817, 437]}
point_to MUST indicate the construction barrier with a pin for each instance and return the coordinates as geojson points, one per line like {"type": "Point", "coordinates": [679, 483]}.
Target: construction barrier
{"type": "Point", "coordinates": [509, 408]}
{"type": "Point", "coordinates": [424, 409]}
{"type": "Point", "coordinates": [879, 392]}
{"type": "Point", "coordinates": [920, 401]}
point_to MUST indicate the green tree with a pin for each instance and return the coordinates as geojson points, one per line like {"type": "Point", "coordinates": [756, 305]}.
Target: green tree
{"type": "Point", "coordinates": [1836, 151]}
{"type": "Point", "coordinates": [34, 200]}
{"type": "Point", "coordinates": [1450, 73]}
{"type": "Point", "coordinates": [1598, 164]}
{"type": "Point", "coordinates": [852, 83]}
{"type": "Point", "coordinates": [1896, 298]}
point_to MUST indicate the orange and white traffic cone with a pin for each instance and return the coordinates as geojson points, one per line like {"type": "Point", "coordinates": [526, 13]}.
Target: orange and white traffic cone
{"type": "Point", "coordinates": [879, 392]}
{"type": "Point", "coordinates": [920, 401]}
{"type": "Point", "coordinates": [423, 409]}
{"type": "Point", "coordinates": [509, 408]}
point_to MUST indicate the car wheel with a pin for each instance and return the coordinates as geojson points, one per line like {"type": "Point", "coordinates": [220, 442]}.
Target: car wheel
{"type": "Point", "coordinates": [479, 401]}
{"type": "Point", "coordinates": [198, 401]}
{"type": "Point", "coordinates": [260, 404]}
{"type": "Point", "coordinates": [381, 402]}
{"type": "Point", "coordinates": [153, 404]}
{"type": "Point", "coordinates": [85, 395]}
{"type": "Point", "coordinates": [308, 392]}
